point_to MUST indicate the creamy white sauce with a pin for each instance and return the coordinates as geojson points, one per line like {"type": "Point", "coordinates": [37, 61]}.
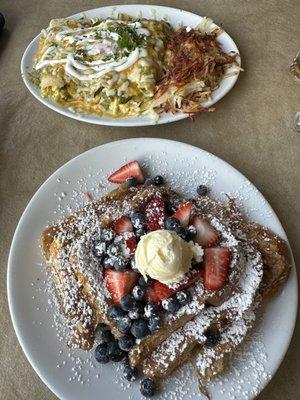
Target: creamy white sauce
{"type": "Point", "coordinates": [93, 40]}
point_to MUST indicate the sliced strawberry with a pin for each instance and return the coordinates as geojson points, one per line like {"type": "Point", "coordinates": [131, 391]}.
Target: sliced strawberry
{"type": "Point", "coordinates": [119, 283]}
{"type": "Point", "coordinates": [206, 236]}
{"type": "Point", "coordinates": [216, 264]}
{"type": "Point", "coordinates": [131, 244]}
{"type": "Point", "coordinates": [132, 169]}
{"type": "Point", "coordinates": [122, 225]}
{"type": "Point", "coordinates": [158, 291]}
{"type": "Point", "coordinates": [155, 213]}
{"type": "Point", "coordinates": [183, 214]}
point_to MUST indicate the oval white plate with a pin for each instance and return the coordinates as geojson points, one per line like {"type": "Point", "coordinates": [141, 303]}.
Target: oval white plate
{"type": "Point", "coordinates": [176, 17]}
{"type": "Point", "coordinates": [184, 167]}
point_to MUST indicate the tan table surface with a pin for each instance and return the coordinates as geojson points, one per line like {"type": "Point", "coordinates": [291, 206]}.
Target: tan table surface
{"type": "Point", "coordinates": [251, 129]}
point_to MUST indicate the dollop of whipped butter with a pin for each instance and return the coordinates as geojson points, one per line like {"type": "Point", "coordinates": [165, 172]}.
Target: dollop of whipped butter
{"type": "Point", "coordinates": [164, 256]}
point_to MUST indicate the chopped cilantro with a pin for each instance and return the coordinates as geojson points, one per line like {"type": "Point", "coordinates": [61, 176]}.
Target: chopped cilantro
{"type": "Point", "coordinates": [129, 38]}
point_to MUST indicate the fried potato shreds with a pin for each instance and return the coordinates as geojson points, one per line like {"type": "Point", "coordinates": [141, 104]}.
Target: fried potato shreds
{"type": "Point", "coordinates": [195, 67]}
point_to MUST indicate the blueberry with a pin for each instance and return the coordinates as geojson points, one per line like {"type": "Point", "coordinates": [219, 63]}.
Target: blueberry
{"type": "Point", "coordinates": [202, 190]}
{"type": "Point", "coordinates": [133, 265]}
{"type": "Point", "coordinates": [127, 302]}
{"type": "Point", "coordinates": [172, 223]}
{"type": "Point", "coordinates": [124, 324]}
{"type": "Point", "coordinates": [139, 233]}
{"type": "Point", "coordinates": [119, 263]}
{"type": "Point", "coordinates": [191, 232]}
{"type": "Point", "coordinates": [100, 328]}
{"type": "Point", "coordinates": [147, 387]}
{"type": "Point", "coordinates": [99, 248]}
{"type": "Point", "coordinates": [135, 313]}
{"type": "Point", "coordinates": [151, 310]}
{"type": "Point", "coordinates": [139, 328]}
{"type": "Point", "coordinates": [107, 336]}
{"type": "Point", "coordinates": [181, 232]}
{"type": "Point", "coordinates": [107, 235]}
{"type": "Point", "coordinates": [130, 373]}
{"type": "Point", "coordinates": [212, 337]}
{"type": "Point", "coordinates": [170, 208]}
{"type": "Point", "coordinates": [138, 220]}
{"type": "Point", "coordinates": [126, 342]}
{"type": "Point", "coordinates": [113, 250]}
{"type": "Point", "coordinates": [148, 182]}
{"type": "Point", "coordinates": [182, 298]}
{"type": "Point", "coordinates": [138, 293]}
{"type": "Point", "coordinates": [171, 305]}
{"type": "Point", "coordinates": [114, 352]}
{"type": "Point", "coordinates": [108, 262]}
{"type": "Point", "coordinates": [154, 323]}
{"type": "Point", "coordinates": [158, 180]}
{"type": "Point", "coordinates": [143, 282]}
{"type": "Point", "coordinates": [101, 353]}
{"type": "Point", "coordinates": [116, 312]}
{"type": "Point", "coordinates": [131, 181]}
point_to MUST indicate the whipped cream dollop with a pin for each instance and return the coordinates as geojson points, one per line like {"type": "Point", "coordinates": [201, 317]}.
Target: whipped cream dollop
{"type": "Point", "coordinates": [164, 256]}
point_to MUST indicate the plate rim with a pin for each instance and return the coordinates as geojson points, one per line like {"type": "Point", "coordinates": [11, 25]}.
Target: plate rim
{"type": "Point", "coordinates": [11, 304]}
{"type": "Point", "coordinates": [118, 122]}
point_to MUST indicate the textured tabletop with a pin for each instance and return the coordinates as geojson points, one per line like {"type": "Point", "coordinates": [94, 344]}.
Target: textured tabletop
{"type": "Point", "coordinates": [251, 129]}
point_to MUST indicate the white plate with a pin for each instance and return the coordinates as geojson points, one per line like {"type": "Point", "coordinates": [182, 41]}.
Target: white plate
{"type": "Point", "coordinates": [184, 167]}
{"type": "Point", "coordinates": [176, 17]}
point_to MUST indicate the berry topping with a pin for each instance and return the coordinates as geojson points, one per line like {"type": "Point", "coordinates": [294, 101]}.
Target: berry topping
{"type": "Point", "coordinates": [158, 180]}
{"type": "Point", "coordinates": [202, 190]}
{"type": "Point", "coordinates": [131, 244]}
{"type": "Point", "coordinates": [216, 265]}
{"type": "Point", "coordinates": [135, 313]}
{"type": "Point", "coordinates": [157, 291]}
{"type": "Point", "coordinates": [154, 324]}
{"type": "Point", "coordinates": [191, 232]}
{"type": "Point", "coordinates": [122, 225]}
{"type": "Point", "coordinates": [101, 353]}
{"type": "Point", "coordinates": [100, 328]}
{"type": "Point", "coordinates": [212, 337]}
{"type": "Point", "coordinates": [138, 293]}
{"type": "Point", "coordinates": [139, 233]}
{"type": "Point", "coordinates": [116, 312]}
{"type": "Point", "coordinates": [138, 220]}
{"type": "Point", "coordinates": [99, 248]}
{"type": "Point", "coordinates": [119, 263]}
{"type": "Point", "coordinates": [172, 223]}
{"type": "Point", "coordinates": [171, 305]}
{"type": "Point", "coordinates": [143, 282]}
{"type": "Point", "coordinates": [131, 181]}
{"type": "Point", "coordinates": [124, 324]}
{"type": "Point", "coordinates": [139, 328]}
{"type": "Point", "coordinates": [126, 342]}
{"type": "Point", "coordinates": [107, 235]}
{"type": "Point", "coordinates": [151, 310]}
{"type": "Point", "coordinates": [183, 214]}
{"type": "Point", "coordinates": [170, 208]}
{"type": "Point", "coordinates": [108, 262]}
{"type": "Point", "coordinates": [107, 336]}
{"type": "Point", "coordinates": [206, 236]}
{"type": "Point", "coordinates": [148, 182]}
{"type": "Point", "coordinates": [128, 302]}
{"type": "Point", "coordinates": [132, 169]}
{"type": "Point", "coordinates": [130, 373]}
{"type": "Point", "coordinates": [113, 250]}
{"type": "Point", "coordinates": [181, 232]}
{"type": "Point", "coordinates": [119, 283]}
{"type": "Point", "coordinates": [114, 352]}
{"type": "Point", "coordinates": [133, 265]}
{"type": "Point", "coordinates": [182, 298]}
{"type": "Point", "coordinates": [147, 387]}
{"type": "Point", "coordinates": [155, 213]}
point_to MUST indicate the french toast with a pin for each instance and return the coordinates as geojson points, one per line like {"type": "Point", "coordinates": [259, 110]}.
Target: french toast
{"type": "Point", "coordinates": [165, 278]}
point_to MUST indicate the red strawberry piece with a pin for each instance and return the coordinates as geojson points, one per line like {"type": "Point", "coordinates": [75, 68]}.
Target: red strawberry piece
{"type": "Point", "coordinates": [155, 213]}
{"type": "Point", "coordinates": [206, 236]}
{"type": "Point", "coordinates": [216, 264]}
{"type": "Point", "coordinates": [183, 214]}
{"type": "Point", "coordinates": [132, 169]}
{"type": "Point", "coordinates": [119, 283]}
{"type": "Point", "coordinates": [158, 291]}
{"type": "Point", "coordinates": [131, 244]}
{"type": "Point", "coordinates": [122, 225]}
